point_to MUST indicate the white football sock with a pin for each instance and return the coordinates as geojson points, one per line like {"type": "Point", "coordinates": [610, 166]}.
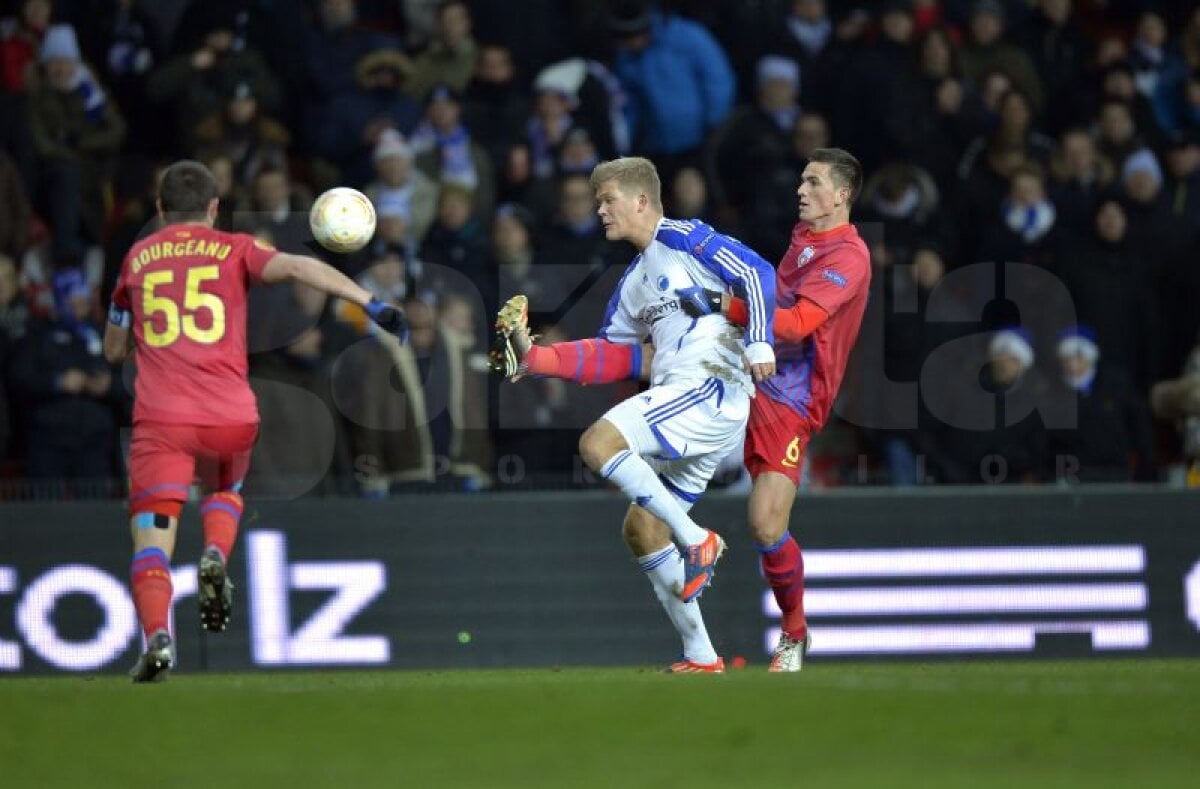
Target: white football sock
{"type": "Point", "coordinates": [664, 568]}
{"type": "Point", "coordinates": [637, 480]}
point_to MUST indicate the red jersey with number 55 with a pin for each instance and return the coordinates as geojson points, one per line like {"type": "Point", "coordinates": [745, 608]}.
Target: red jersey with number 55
{"type": "Point", "coordinates": [185, 286]}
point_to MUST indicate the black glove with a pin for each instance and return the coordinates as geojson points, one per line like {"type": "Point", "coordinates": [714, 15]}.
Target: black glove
{"type": "Point", "coordinates": [388, 317]}
{"type": "Point", "coordinates": [698, 302]}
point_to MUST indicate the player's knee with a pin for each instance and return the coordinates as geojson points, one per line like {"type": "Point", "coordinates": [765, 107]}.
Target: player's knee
{"type": "Point", "coordinates": [768, 522]}
{"type": "Point", "coordinates": [599, 443]}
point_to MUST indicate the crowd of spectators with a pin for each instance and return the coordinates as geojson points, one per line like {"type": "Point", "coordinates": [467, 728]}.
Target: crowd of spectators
{"type": "Point", "coordinates": [1032, 204]}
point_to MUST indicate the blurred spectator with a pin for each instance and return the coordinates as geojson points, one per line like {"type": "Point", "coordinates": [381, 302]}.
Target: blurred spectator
{"type": "Point", "coordinates": [1025, 229]}
{"type": "Point", "coordinates": [518, 268]}
{"type": "Point", "coordinates": [397, 179]}
{"type": "Point", "coordinates": [1110, 441]}
{"type": "Point", "coordinates": [450, 57]}
{"type": "Point", "coordinates": [755, 139]}
{"type": "Point", "coordinates": [767, 222]}
{"type": "Point", "coordinates": [1153, 62]}
{"type": "Point", "coordinates": [1118, 82]}
{"type": "Point", "coordinates": [232, 195]}
{"type": "Point", "coordinates": [689, 195]}
{"type": "Point", "coordinates": [1118, 135]}
{"type": "Point", "coordinates": [1014, 129]}
{"type": "Point", "coordinates": [983, 193]}
{"type": "Point", "coordinates": [986, 50]}
{"type": "Point", "coordinates": [125, 44]}
{"type": "Point", "coordinates": [1178, 105]}
{"type": "Point", "coordinates": [66, 389]}
{"type": "Point", "coordinates": [933, 111]}
{"type": "Point", "coordinates": [906, 204]}
{"type": "Point", "coordinates": [337, 45]}
{"type": "Point", "coordinates": [1060, 52]}
{"type": "Point", "coordinates": [876, 70]}
{"type": "Point", "coordinates": [76, 132]}
{"type": "Point", "coordinates": [134, 215]}
{"type": "Point", "coordinates": [578, 155]}
{"type": "Point", "coordinates": [294, 380]}
{"type": "Point", "coordinates": [809, 38]}
{"type": "Point", "coordinates": [247, 135]}
{"type": "Point", "coordinates": [446, 152]}
{"type": "Point", "coordinates": [679, 81]}
{"type": "Point", "coordinates": [1182, 187]}
{"type": "Point", "coordinates": [20, 42]}
{"type": "Point", "coordinates": [1178, 400]}
{"type": "Point", "coordinates": [196, 84]}
{"type": "Point", "coordinates": [1107, 277]}
{"type": "Point", "coordinates": [278, 215]}
{"type": "Point", "coordinates": [438, 428]}
{"type": "Point", "coordinates": [278, 209]}
{"type": "Point", "coordinates": [495, 104]}
{"type": "Point", "coordinates": [14, 313]}
{"type": "Point", "coordinates": [1078, 177]}
{"type": "Point", "coordinates": [555, 98]}
{"type": "Point", "coordinates": [457, 242]}
{"type": "Point", "coordinates": [973, 442]}
{"type": "Point", "coordinates": [350, 126]}
{"type": "Point", "coordinates": [14, 219]}
{"type": "Point", "coordinates": [576, 239]}
{"type": "Point", "coordinates": [539, 34]}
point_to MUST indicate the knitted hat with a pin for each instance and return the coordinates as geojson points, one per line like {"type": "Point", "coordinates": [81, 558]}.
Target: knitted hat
{"type": "Point", "coordinates": [1013, 341]}
{"type": "Point", "coordinates": [60, 42]}
{"type": "Point", "coordinates": [1079, 341]}
{"type": "Point", "coordinates": [392, 143]}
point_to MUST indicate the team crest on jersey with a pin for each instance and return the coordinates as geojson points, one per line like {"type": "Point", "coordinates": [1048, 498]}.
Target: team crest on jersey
{"type": "Point", "coordinates": [806, 255]}
{"type": "Point", "coordinates": [663, 283]}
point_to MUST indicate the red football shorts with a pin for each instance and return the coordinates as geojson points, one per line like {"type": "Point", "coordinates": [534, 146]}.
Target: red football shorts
{"type": "Point", "coordinates": [776, 438]}
{"type": "Point", "coordinates": [165, 459]}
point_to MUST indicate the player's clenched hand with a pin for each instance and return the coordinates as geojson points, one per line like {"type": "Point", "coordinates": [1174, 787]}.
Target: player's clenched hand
{"type": "Point", "coordinates": [697, 302]}
{"type": "Point", "coordinates": [388, 317]}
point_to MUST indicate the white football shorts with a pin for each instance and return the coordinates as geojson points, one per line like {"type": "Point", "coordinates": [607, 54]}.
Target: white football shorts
{"type": "Point", "coordinates": [684, 432]}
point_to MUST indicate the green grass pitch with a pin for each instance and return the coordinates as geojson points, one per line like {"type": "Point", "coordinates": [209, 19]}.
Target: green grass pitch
{"type": "Point", "coordinates": [1095, 723]}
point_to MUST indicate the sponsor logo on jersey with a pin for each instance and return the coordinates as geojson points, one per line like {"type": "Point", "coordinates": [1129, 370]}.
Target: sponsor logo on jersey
{"type": "Point", "coordinates": [834, 277]}
{"type": "Point", "coordinates": [656, 312]}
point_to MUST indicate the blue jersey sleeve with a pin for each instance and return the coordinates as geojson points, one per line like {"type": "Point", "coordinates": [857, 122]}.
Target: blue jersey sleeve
{"type": "Point", "coordinates": [743, 271]}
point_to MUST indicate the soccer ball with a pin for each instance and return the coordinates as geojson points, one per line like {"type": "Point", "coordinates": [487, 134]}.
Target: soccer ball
{"type": "Point", "coordinates": [342, 220]}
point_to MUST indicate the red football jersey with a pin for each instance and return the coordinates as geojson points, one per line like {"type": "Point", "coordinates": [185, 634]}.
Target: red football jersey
{"type": "Point", "coordinates": [186, 288]}
{"type": "Point", "coordinates": [833, 270]}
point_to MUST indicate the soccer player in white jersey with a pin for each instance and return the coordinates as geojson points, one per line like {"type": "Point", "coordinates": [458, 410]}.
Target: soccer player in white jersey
{"type": "Point", "coordinates": [662, 447]}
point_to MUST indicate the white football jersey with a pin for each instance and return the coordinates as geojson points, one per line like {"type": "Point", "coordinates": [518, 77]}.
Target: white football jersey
{"type": "Point", "coordinates": [689, 351]}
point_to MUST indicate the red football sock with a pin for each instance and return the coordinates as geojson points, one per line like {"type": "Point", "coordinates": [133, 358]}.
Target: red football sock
{"type": "Point", "coordinates": [220, 514]}
{"type": "Point", "coordinates": [586, 361]}
{"type": "Point", "coordinates": [150, 576]}
{"type": "Point", "coordinates": [783, 567]}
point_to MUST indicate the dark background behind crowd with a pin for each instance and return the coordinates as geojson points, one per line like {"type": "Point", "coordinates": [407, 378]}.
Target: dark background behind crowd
{"type": "Point", "coordinates": [1032, 203]}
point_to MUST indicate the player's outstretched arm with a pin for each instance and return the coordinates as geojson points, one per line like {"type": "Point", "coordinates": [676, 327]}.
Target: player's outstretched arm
{"type": "Point", "coordinates": [284, 267]}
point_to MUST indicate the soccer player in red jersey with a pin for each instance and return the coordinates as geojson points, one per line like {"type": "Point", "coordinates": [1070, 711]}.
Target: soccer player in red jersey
{"type": "Point", "coordinates": [182, 294]}
{"type": "Point", "coordinates": [821, 291]}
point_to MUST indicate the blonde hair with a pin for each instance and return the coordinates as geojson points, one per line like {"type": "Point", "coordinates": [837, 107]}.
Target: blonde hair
{"type": "Point", "coordinates": [634, 175]}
